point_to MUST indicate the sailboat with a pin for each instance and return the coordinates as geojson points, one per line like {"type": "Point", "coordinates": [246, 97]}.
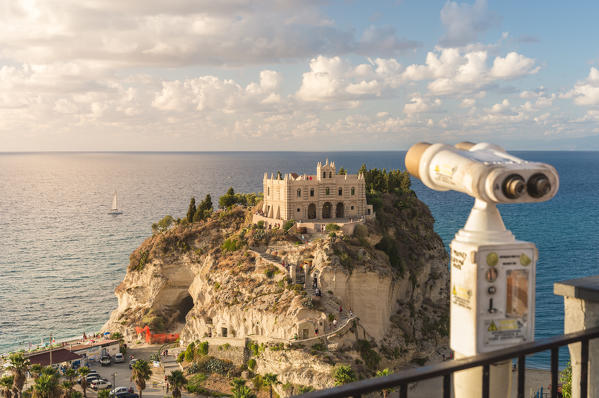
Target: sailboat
{"type": "Point", "coordinates": [115, 206]}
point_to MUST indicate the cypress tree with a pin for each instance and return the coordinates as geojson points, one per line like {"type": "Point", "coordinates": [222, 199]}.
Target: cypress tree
{"type": "Point", "coordinates": [191, 211]}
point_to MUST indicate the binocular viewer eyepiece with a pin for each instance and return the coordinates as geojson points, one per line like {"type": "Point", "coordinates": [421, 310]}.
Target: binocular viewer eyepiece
{"type": "Point", "coordinates": [483, 171]}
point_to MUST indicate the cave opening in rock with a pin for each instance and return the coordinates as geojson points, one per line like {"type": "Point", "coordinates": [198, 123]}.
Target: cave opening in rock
{"type": "Point", "coordinates": [185, 305]}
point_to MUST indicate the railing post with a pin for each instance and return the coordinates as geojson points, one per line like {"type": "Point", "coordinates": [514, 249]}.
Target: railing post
{"type": "Point", "coordinates": [581, 311]}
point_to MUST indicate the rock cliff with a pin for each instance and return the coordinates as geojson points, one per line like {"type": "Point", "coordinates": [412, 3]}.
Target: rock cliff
{"type": "Point", "coordinates": [384, 300]}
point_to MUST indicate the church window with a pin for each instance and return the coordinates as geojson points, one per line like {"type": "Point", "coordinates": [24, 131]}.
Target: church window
{"type": "Point", "coordinates": [268, 192]}
{"type": "Point", "coordinates": [340, 191]}
{"type": "Point", "coordinates": [299, 193]}
{"type": "Point", "coordinates": [353, 191]}
{"type": "Point", "coordinates": [324, 174]}
{"type": "Point", "coordinates": [327, 191]}
{"type": "Point", "coordinates": [311, 191]}
{"type": "Point", "coordinates": [330, 175]}
{"type": "Point", "coordinates": [352, 207]}
{"type": "Point", "coordinates": [298, 210]}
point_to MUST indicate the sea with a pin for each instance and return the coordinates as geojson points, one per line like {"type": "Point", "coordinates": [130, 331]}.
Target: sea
{"type": "Point", "coordinates": [62, 254]}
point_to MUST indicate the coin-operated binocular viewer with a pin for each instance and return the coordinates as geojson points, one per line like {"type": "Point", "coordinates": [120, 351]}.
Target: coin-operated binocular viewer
{"type": "Point", "coordinates": [492, 286]}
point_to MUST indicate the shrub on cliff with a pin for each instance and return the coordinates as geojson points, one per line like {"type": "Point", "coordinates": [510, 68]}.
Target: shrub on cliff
{"type": "Point", "coordinates": [332, 227]}
{"type": "Point", "coordinates": [343, 374]}
{"type": "Point", "coordinates": [163, 225]}
{"type": "Point", "coordinates": [191, 210]}
{"type": "Point", "coordinates": [204, 209]}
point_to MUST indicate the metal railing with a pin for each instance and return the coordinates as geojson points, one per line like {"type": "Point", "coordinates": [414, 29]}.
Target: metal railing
{"type": "Point", "coordinates": [402, 379]}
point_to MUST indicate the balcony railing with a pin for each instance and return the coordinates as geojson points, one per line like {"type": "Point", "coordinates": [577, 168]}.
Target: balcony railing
{"type": "Point", "coordinates": [402, 379]}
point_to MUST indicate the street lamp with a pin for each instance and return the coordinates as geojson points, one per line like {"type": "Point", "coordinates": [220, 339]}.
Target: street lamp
{"type": "Point", "coordinates": [114, 381]}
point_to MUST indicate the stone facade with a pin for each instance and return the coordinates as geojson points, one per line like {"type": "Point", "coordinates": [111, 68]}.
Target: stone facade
{"type": "Point", "coordinates": [326, 195]}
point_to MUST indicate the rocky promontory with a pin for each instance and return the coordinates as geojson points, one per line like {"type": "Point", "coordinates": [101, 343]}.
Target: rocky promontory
{"type": "Point", "coordinates": [382, 298]}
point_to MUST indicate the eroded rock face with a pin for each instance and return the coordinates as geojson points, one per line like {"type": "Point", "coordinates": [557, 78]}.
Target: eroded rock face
{"type": "Point", "coordinates": [223, 278]}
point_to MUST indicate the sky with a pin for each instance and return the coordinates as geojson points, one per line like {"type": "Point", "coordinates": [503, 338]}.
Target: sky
{"type": "Point", "coordinates": [307, 75]}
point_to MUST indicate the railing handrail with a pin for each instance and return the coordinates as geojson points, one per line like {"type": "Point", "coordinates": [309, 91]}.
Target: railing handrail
{"type": "Point", "coordinates": [448, 367]}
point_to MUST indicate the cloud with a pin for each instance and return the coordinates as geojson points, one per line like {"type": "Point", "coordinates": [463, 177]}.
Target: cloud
{"type": "Point", "coordinates": [457, 71]}
{"type": "Point", "coordinates": [417, 104]}
{"type": "Point", "coordinates": [464, 22]}
{"type": "Point", "coordinates": [181, 32]}
{"type": "Point", "coordinates": [586, 92]}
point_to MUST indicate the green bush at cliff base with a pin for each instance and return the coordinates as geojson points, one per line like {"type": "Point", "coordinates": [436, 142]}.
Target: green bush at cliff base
{"type": "Point", "coordinates": [213, 365]}
{"type": "Point", "coordinates": [190, 352]}
{"type": "Point", "coordinates": [288, 224]}
{"type": "Point", "coordinates": [332, 227]}
{"type": "Point", "coordinates": [251, 364]}
{"type": "Point", "coordinates": [202, 348]}
{"type": "Point", "coordinates": [370, 357]}
{"type": "Point", "coordinates": [181, 357]}
{"type": "Point", "coordinates": [194, 383]}
{"type": "Point", "coordinates": [343, 374]}
{"type": "Point", "coordinates": [231, 245]}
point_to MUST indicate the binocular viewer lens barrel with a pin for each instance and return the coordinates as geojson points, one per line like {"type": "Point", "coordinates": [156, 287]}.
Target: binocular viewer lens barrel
{"type": "Point", "coordinates": [484, 171]}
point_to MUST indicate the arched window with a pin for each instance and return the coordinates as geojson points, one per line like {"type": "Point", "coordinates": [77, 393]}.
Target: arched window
{"type": "Point", "coordinates": [327, 191]}
{"type": "Point", "coordinates": [353, 191]}
{"type": "Point", "coordinates": [340, 191]}
{"type": "Point", "coordinates": [324, 174]}
{"type": "Point", "coordinates": [299, 193]}
{"type": "Point", "coordinates": [268, 192]}
{"type": "Point", "coordinates": [330, 174]}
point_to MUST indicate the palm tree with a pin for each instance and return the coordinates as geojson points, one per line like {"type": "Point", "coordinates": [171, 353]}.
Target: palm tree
{"type": "Point", "coordinates": [84, 371]}
{"type": "Point", "coordinates": [269, 380]}
{"type": "Point", "coordinates": [104, 393]}
{"type": "Point", "coordinates": [344, 374]}
{"type": "Point", "coordinates": [176, 380]}
{"type": "Point", "coordinates": [140, 373]}
{"type": "Point", "coordinates": [35, 370]}
{"type": "Point", "coordinates": [47, 386]}
{"type": "Point", "coordinates": [381, 373]}
{"type": "Point", "coordinates": [243, 391]}
{"type": "Point", "coordinates": [19, 366]}
{"type": "Point", "coordinates": [6, 386]}
{"type": "Point", "coordinates": [70, 374]}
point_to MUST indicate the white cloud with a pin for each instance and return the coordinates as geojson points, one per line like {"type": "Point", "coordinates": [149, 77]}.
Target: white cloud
{"type": "Point", "coordinates": [417, 104]}
{"type": "Point", "coordinates": [513, 65]}
{"type": "Point", "coordinates": [464, 22]}
{"type": "Point", "coordinates": [456, 71]}
{"type": "Point", "coordinates": [586, 92]}
{"type": "Point", "coordinates": [180, 32]}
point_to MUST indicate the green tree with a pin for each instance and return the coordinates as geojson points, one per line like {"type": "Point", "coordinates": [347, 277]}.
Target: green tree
{"type": "Point", "coordinates": [35, 370]}
{"type": "Point", "coordinates": [83, 372]}
{"type": "Point", "coordinates": [566, 378]}
{"type": "Point", "coordinates": [70, 374]}
{"type": "Point", "coordinates": [243, 392]}
{"type": "Point", "coordinates": [190, 352]}
{"type": "Point", "coordinates": [204, 209]}
{"type": "Point", "coordinates": [228, 199]}
{"type": "Point", "coordinates": [343, 374]}
{"type": "Point", "coordinates": [140, 373]}
{"type": "Point", "coordinates": [176, 380]}
{"type": "Point", "coordinates": [381, 373]}
{"type": "Point", "coordinates": [342, 171]}
{"type": "Point", "coordinates": [18, 366]}
{"type": "Point", "coordinates": [191, 210]}
{"type": "Point", "coordinates": [237, 382]}
{"type": "Point", "coordinates": [269, 380]}
{"type": "Point", "coordinates": [163, 225]}
{"type": "Point", "coordinates": [104, 394]}
{"type": "Point", "coordinates": [6, 386]}
{"type": "Point", "coordinates": [47, 385]}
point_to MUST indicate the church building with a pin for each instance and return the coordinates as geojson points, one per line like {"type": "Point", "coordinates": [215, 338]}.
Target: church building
{"type": "Point", "coordinates": [326, 196]}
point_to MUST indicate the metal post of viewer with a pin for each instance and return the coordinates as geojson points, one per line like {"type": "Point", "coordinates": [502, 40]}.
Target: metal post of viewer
{"type": "Point", "coordinates": [492, 274]}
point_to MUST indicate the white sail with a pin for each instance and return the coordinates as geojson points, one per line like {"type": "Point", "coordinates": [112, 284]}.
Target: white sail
{"type": "Point", "coordinates": [115, 202]}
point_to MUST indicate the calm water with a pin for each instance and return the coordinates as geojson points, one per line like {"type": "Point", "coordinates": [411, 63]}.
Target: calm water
{"type": "Point", "coordinates": [62, 255]}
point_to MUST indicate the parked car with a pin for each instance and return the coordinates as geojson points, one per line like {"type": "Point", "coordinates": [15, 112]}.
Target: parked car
{"type": "Point", "coordinates": [91, 378]}
{"type": "Point", "coordinates": [105, 361]}
{"type": "Point", "coordinates": [119, 390]}
{"type": "Point", "coordinates": [127, 395]}
{"type": "Point", "coordinates": [118, 358]}
{"type": "Point", "coordinates": [100, 384]}
{"type": "Point", "coordinates": [132, 362]}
